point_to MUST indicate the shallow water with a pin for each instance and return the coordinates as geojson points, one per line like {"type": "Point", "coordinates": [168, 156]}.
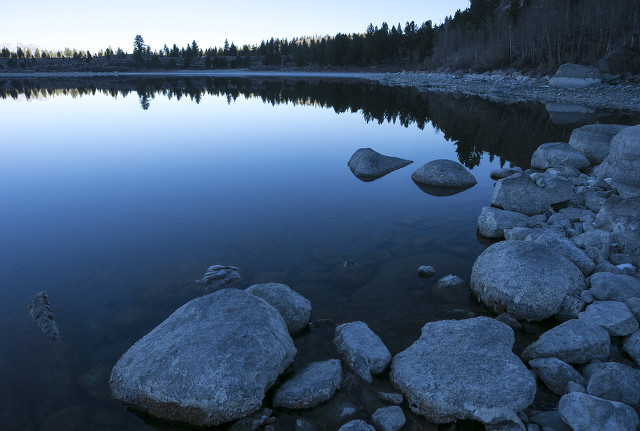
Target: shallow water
{"type": "Point", "coordinates": [114, 205]}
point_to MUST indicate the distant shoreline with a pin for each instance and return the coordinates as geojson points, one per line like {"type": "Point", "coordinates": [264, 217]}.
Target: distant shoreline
{"type": "Point", "coordinates": [504, 87]}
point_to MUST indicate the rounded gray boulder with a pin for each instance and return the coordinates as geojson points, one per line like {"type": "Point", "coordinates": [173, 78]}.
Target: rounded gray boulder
{"type": "Point", "coordinates": [368, 165]}
{"type": "Point", "coordinates": [361, 349]}
{"type": "Point", "coordinates": [624, 160]}
{"type": "Point", "coordinates": [527, 280]}
{"type": "Point", "coordinates": [293, 307]}
{"type": "Point", "coordinates": [208, 363]}
{"type": "Point", "coordinates": [314, 384]}
{"type": "Point", "coordinates": [436, 176]}
{"type": "Point", "coordinates": [594, 140]}
{"type": "Point", "coordinates": [556, 154]}
{"type": "Point", "coordinates": [464, 369]}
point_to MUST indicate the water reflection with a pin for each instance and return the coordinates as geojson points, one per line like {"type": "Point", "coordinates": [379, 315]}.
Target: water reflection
{"type": "Point", "coordinates": [510, 132]}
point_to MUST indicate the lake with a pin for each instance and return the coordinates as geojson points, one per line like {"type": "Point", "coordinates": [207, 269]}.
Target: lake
{"type": "Point", "coordinates": [118, 193]}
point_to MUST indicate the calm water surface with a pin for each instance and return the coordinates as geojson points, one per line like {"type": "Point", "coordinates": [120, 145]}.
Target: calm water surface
{"type": "Point", "coordinates": [114, 210]}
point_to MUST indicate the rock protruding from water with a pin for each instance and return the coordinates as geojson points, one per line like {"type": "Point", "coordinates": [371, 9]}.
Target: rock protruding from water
{"type": "Point", "coordinates": [464, 370]}
{"type": "Point", "coordinates": [594, 140]}
{"type": "Point", "coordinates": [521, 193]}
{"type": "Point", "coordinates": [219, 275]}
{"type": "Point", "coordinates": [492, 222]}
{"type": "Point", "coordinates": [613, 316]}
{"type": "Point", "coordinates": [498, 174]}
{"type": "Point", "coordinates": [443, 177]}
{"type": "Point", "coordinates": [314, 384]}
{"type": "Point", "coordinates": [40, 312]}
{"type": "Point", "coordinates": [208, 363]}
{"type": "Point", "coordinates": [368, 165]}
{"type": "Point", "coordinates": [557, 154]}
{"type": "Point", "coordinates": [586, 412]}
{"type": "Point", "coordinates": [571, 75]}
{"type": "Point", "coordinates": [525, 279]}
{"type": "Point", "coordinates": [574, 342]}
{"type": "Point", "coordinates": [623, 163]}
{"type": "Point", "coordinates": [361, 349]}
{"type": "Point", "coordinates": [556, 374]}
{"type": "Point", "coordinates": [293, 307]}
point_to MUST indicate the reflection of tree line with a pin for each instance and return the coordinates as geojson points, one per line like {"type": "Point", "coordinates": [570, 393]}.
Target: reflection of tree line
{"type": "Point", "coordinates": [511, 132]}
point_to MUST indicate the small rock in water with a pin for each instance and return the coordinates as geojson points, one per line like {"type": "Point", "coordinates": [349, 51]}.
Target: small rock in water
{"type": "Point", "coordinates": [388, 418]}
{"type": "Point", "coordinates": [314, 384]}
{"type": "Point", "coordinates": [40, 312]}
{"type": "Point", "coordinates": [219, 275]}
{"type": "Point", "coordinates": [437, 176]}
{"type": "Point", "coordinates": [451, 282]}
{"type": "Point", "coordinates": [499, 174]}
{"type": "Point", "coordinates": [368, 165]}
{"type": "Point", "coordinates": [426, 271]}
{"type": "Point", "coordinates": [293, 307]}
{"type": "Point", "coordinates": [361, 349]}
{"type": "Point", "coordinates": [586, 412]}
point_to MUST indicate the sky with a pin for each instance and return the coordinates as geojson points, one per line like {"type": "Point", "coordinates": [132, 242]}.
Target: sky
{"type": "Point", "coordinates": [94, 25]}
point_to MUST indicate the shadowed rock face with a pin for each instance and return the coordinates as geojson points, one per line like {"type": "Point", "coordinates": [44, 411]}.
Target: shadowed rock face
{"type": "Point", "coordinates": [623, 162]}
{"type": "Point", "coordinates": [368, 165]}
{"type": "Point", "coordinates": [208, 363]}
{"type": "Point", "coordinates": [464, 370]}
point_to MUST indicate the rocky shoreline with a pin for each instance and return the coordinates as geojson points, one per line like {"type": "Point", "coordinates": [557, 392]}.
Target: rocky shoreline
{"type": "Point", "coordinates": [568, 249]}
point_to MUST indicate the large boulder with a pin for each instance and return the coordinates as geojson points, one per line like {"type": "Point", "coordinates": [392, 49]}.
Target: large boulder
{"type": "Point", "coordinates": [443, 177]}
{"type": "Point", "coordinates": [293, 307]}
{"type": "Point", "coordinates": [557, 154]}
{"type": "Point", "coordinates": [361, 349]}
{"type": "Point", "coordinates": [314, 384]}
{"type": "Point", "coordinates": [623, 163]}
{"type": "Point", "coordinates": [492, 222]}
{"type": "Point", "coordinates": [571, 75]}
{"type": "Point", "coordinates": [464, 370]}
{"type": "Point", "coordinates": [574, 342]}
{"type": "Point", "coordinates": [613, 316]}
{"type": "Point", "coordinates": [594, 140]}
{"type": "Point", "coordinates": [522, 194]}
{"type": "Point", "coordinates": [620, 216]}
{"type": "Point", "coordinates": [525, 279]}
{"type": "Point", "coordinates": [583, 412]}
{"type": "Point", "coordinates": [368, 165]}
{"type": "Point", "coordinates": [208, 363]}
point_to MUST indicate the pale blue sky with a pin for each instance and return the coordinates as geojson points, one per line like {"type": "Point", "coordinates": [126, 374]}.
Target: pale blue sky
{"type": "Point", "coordinates": [96, 24]}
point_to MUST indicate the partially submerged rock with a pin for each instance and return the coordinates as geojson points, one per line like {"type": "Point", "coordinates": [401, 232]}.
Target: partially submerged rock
{"type": "Point", "coordinates": [594, 140]}
{"type": "Point", "coordinates": [464, 370]}
{"type": "Point", "coordinates": [574, 342]}
{"type": "Point", "coordinates": [525, 279]}
{"type": "Point", "coordinates": [219, 275]}
{"type": "Point", "coordinates": [586, 412]}
{"type": "Point", "coordinates": [361, 349]}
{"type": "Point", "coordinates": [521, 194]}
{"type": "Point", "coordinates": [556, 154]}
{"type": "Point", "coordinates": [208, 363]}
{"type": "Point", "coordinates": [368, 165]}
{"type": "Point", "coordinates": [426, 271]}
{"type": "Point", "coordinates": [293, 307]}
{"type": "Point", "coordinates": [492, 222]}
{"type": "Point", "coordinates": [498, 174]}
{"type": "Point", "coordinates": [443, 177]}
{"type": "Point", "coordinates": [314, 384]}
{"type": "Point", "coordinates": [571, 75]}
{"type": "Point", "coordinates": [40, 312]}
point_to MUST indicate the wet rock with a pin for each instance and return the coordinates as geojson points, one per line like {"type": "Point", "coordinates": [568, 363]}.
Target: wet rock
{"type": "Point", "coordinates": [492, 222]}
{"type": "Point", "coordinates": [594, 140]}
{"type": "Point", "coordinates": [570, 308]}
{"type": "Point", "coordinates": [451, 282]}
{"type": "Point", "coordinates": [571, 75]}
{"type": "Point", "coordinates": [356, 425]}
{"type": "Point", "coordinates": [314, 384]}
{"type": "Point", "coordinates": [444, 174]}
{"type": "Point", "coordinates": [615, 382]}
{"type": "Point", "coordinates": [208, 363]}
{"type": "Point", "coordinates": [293, 307]}
{"type": "Point", "coordinates": [558, 154]}
{"type": "Point", "coordinates": [361, 349]}
{"type": "Point", "coordinates": [568, 249]}
{"type": "Point", "coordinates": [527, 280]}
{"type": "Point", "coordinates": [606, 286]}
{"type": "Point", "coordinates": [549, 420]}
{"type": "Point", "coordinates": [388, 418]}
{"type": "Point", "coordinates": [556, 374]}
{"type": "Point", "coordinates": [623, 162]}
{"type": "Point", "coordinates": [499, 174]}
{"type": "Point", "coordinates": [219, 275]}
{"type": "Point", "coordinates": [426, 271]}
{"type": "Point", "coordinates": [620, 216]}
{"type": "Point", "coordinates": [521, 194]}
{"type": "Point", "coordinates": [368, 165]}
{"type": "Point", "coordinates": [464, 370]}
{"type": "Point", "coordinates": [613, 316]}
{"type": "Point", "coordinates": [574, 342]}
{"type": "Point", "coordinates": [40, 312]}
{"type": "Point", "coordinates": [586, 412]}
{"type": "Point", "coordinates": [632, 346]}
